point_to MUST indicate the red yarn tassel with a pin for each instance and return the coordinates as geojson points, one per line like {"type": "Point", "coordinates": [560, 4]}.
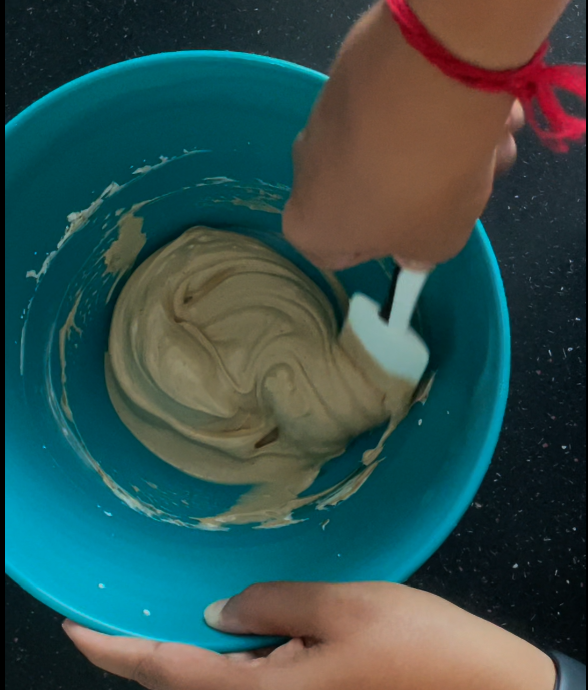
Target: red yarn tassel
{"type": "Point", "coordinates": [535, 84]}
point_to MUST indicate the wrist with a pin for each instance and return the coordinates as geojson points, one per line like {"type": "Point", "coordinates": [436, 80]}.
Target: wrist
{"type": "Point", "coordinates": [495, 34]}
{"type": "Point", "coordinates": [498, 660]}
{"type": "Point", "coordinates": [526, 667]}
{"type": "Point", "coordinates": [494, 660]}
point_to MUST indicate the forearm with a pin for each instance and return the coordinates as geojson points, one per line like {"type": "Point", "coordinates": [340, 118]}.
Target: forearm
{"type": "Point", "coordinates": [496, 34]}
{"type": "Point", "coordinates": [494, 660]}
{"type": "Point", "coordinates": [398, 158]}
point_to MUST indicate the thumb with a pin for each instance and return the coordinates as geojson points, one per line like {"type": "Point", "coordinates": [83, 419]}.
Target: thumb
{"type": "Point", "coordinates": [286, 609]}
{"type": "Point", "coordinates": [158, 666]}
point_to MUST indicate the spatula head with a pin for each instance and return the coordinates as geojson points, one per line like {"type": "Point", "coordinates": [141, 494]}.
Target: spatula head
{"type": "Point", "coordinates": [400, 353]}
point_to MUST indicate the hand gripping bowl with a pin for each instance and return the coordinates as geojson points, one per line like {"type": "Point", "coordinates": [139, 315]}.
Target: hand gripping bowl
{"type": "Point", "coordinates": [97, 527]}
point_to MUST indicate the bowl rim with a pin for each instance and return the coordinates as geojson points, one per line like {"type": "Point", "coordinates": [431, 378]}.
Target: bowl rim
{"type": "Point", "coordinates": [454, 514]}
{"type": "Point", "coordinates": [157, 58]}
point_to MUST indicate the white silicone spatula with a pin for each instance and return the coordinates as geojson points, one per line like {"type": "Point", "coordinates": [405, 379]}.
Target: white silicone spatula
{"type": "Point", "coordinates": [386, 333]}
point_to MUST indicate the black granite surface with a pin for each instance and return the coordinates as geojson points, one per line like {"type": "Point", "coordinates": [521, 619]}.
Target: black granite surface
{"type": "Point", "coordinates": [518, 557]}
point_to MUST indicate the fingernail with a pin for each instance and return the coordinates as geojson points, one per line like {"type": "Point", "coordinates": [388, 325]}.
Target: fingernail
{"type": "Point", "coordinates": [69, 627]}
{"type": "Point", "coordinates": [213, 614]}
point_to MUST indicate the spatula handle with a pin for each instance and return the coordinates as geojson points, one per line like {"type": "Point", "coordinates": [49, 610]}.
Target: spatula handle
{"type": "Point", "coordinates": [408, 290]}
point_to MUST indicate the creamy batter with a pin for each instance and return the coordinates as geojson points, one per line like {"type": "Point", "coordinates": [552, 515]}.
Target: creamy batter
{"type": "Point", "coordinates": [225, 361]}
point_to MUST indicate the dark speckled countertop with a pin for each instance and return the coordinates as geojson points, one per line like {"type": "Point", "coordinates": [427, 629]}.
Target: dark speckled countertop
{"type": "Point", "coordinates": [518, 557]}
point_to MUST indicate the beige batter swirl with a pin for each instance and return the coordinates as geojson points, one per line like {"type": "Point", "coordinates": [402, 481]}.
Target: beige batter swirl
{"type": "Point", "coordinates": [224, 360]}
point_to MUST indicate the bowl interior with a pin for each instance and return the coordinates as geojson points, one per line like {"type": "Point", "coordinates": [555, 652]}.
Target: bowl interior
{"type": "Point", "coordinates": [96, 526]}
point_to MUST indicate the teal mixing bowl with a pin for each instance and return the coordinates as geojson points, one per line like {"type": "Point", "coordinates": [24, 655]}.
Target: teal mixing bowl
{"type": "Point", "coordinates": [97, 527]}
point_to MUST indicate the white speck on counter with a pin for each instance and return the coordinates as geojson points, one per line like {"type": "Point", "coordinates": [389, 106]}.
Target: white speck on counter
{"type": "Point", "coordinates": [101, 586]}
{"type": "Point", "coordinates": [420, 422]}
{"type": "Point", "coordinates": [107, 513]}
{"type": "Point", "coordinates": [324, 525]}
{"type": "Point", "coordinates": [146, 612]}
{"type": "Point", "coordinates": [515, 566]}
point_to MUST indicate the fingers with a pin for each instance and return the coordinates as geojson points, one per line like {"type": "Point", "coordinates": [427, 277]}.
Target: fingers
{"type": "Point", "coordinates": [334, 259]}
{"type": "Point", "coordinates": [282, 655]}
{"type": "Point", "coordinates": [161, 666]}
{"type": "Point", "coordinates": [506, 155]}
{"type": "Point", "coordinates": [506, 152]}
{"type": "Point", "coordinates": [286, 609]}
{"type": "Point", "coordinates": [516, 119]}
{"type": "Point", "coordinates": [253, 655]}
{"type": "Point", "coordinates": [413, 265]}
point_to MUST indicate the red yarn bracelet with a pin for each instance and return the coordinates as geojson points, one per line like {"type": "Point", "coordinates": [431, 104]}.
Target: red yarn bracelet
{"type": "Point", "coordinates": [535, 84]}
